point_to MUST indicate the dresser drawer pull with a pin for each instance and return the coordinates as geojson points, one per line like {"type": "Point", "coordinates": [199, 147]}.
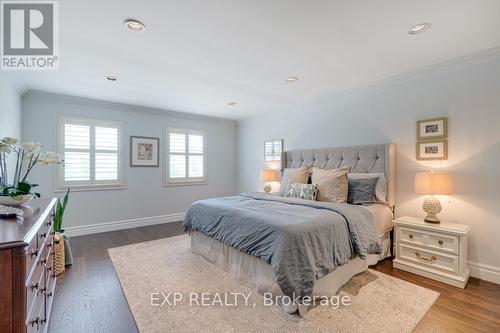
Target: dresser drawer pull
{"type": "Point", "coordinates": [49, 245]}
{"type": "Point", "coordinates": [43, 235]}
{"type": "Point", "coordinates": [49, 294]}
{"type": "Point", "coordinates": [34, 322]}
{"type": "Point", "coordinates": [431, 259]}
{"type": "Point", "coordinates": [410, 236]}
{"type": "Point", "coordinates": [440, 242]}
{"type": "Point", "coordinates": [34, 252]}
{"type": "Point", "coordinates": [43, 261]}
{"type": "Point", "coordinates": [34, 286]}
{"type": "Point", "coordinates": [43, 290]}
{"type": "Point", "coordinates": [49, 268]}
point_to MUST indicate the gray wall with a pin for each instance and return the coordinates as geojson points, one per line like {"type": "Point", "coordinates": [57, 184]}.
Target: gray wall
{"type": "Point", "coordinates": [10, 114]}
{"type": "Point", "coordinates": [466, 90]}
{"type": "Point", "coordinates": [144, 196]}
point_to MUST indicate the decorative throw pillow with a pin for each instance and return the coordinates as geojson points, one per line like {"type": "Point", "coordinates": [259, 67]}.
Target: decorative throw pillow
{"type": "Point", "coordinates": [362, 191]}
{"type": "Point", "coordinates": [380, 190]}
{"type": "Point", "coordinates": [293, 175]}
{"type": "Point", "coordinates": [302, 191]}
{"type": "Point", "coordinates": [332, 184]}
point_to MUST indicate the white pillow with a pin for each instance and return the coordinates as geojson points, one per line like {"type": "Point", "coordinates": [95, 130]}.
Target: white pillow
{"type": "Point", "coordinates": [380, 190]}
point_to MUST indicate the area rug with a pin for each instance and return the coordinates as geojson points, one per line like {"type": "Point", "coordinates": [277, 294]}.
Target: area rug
{"type": "Point", "coordinates": [170, 289]}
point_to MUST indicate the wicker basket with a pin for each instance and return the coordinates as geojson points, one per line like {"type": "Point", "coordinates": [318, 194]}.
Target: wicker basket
{"type": "Point", "coordinates": [58, 254]}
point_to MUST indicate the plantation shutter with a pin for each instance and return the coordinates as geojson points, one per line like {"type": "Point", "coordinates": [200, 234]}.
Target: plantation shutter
{"type": "Point", "coordinates": [91, 151]}
{"type": "Point", "coordinates": [186, 156]}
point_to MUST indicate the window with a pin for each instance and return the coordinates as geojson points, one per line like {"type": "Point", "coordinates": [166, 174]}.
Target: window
{"type": "Point", "coordinates": [185, 157]}
{"type": "Point", "coordinates": [272, 150]}
{"type": "Point", "coordinates": [92, 153]}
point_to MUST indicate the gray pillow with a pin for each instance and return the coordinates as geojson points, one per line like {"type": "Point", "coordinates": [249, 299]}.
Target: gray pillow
{"type": "Point", "coordinates": [362, 191]}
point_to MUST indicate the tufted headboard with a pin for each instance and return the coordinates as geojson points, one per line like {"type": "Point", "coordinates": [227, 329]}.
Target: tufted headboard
{"type": "Point", "coordinates": [375, 158]}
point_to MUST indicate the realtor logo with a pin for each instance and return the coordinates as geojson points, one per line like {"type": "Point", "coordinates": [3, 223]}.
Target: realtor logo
{"type": "Point", "coordinates": [30, 35]}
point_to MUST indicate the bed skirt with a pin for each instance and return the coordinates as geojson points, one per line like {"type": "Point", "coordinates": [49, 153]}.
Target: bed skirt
{"type": "Point", "coordinates": [258, 275]}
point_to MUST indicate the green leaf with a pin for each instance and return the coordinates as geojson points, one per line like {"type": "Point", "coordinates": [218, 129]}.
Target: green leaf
{"type": "Point", "coordinates": [24, 187]}
{"type": "Point", "coordinates": [37, 194]}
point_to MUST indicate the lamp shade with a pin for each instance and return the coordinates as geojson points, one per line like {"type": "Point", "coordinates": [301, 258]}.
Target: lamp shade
{"type": "Point", "coordinates": [433, 183]}
{"type": "Point", "coordinates": [270, 175]}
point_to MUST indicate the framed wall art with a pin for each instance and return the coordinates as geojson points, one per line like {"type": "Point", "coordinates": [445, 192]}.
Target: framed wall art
{"type": "Point", "coordinates": [144, 151]}
{"type": "Point", "coordinates": [432, 129]}
{"type": "Point", "coordinates": [432, 150]}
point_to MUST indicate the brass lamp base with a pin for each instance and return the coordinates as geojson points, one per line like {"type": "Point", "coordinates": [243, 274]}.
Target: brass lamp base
{"type": "Point", "coordinates": [432, 207]}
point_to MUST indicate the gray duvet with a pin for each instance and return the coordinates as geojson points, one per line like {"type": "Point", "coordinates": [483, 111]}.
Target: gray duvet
{"type": "Point", "coordinates": [302, 240]}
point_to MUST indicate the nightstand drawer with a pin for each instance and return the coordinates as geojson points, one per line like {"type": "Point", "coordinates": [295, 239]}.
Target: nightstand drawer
{"type": "Point", "coordinates": [435, 260]}
{"type": "Point", "coordinates": [439, 242]}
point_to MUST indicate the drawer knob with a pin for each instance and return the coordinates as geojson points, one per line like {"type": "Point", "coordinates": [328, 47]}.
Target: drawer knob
{"type": "Point", "coordinates": [34, 252]}
{"type": "Point", "coordinates": [34, 322]}
{"type": "Point", "coordinates": [49, 294]}
{"type": "Point", "coordinates": [410, 236]}
{"type": "Point", "coordinates": [43, 235]}
{"type": "Point", "coordinates": [431, 259]}
{"type": "Point", "coordinates": [440, 242]}
{"type": "Point", "coordinates": [34, 286]}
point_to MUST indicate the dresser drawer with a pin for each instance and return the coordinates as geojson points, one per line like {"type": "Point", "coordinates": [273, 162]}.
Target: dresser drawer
{"type": "Point", "coordinates": [37, 314]}
{"type": "Point", "coordinates": [426, 258]}
{"type": "Point", "coordinates": [35, 286]}
{"type": "Point", "coordinates": [46, 228]}
{"type": "Point", "coordinates": [436, 241]}
{"type": "Point", "coordinates": [31, 254]}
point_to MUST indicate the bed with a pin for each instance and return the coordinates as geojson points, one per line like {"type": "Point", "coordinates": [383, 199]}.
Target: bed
{"type": "Point", "coordinates": [244, 235]}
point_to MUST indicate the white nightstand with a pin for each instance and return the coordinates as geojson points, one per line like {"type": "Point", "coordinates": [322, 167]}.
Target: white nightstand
{"type": "Point", "coordinates": [436, 251]}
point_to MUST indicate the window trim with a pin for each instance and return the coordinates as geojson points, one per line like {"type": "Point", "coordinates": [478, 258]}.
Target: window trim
{"type": "Point", "coordinates": [60, 184]}
{"type": "Point", "coordinates": [169, 182]}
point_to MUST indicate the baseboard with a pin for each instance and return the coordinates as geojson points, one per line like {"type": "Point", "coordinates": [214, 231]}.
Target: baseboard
{"type": "Point", "coordinates": [125, 224]}
{"type": "Point", "coordinates": [484, 272]}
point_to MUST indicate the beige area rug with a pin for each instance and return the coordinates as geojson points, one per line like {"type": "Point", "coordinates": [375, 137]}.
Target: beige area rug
{"type": "Point", "coordinates": [379, 303]}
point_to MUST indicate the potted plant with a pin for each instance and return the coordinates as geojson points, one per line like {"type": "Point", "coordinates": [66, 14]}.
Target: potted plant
{"type": "Point", "coordinates": [62, 250]}
{"type": "Point", "coordinates": [27, 156]}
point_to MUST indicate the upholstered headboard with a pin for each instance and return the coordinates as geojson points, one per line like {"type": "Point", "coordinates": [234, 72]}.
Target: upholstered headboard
{"type": "Point", "coordinates": [377, 158]}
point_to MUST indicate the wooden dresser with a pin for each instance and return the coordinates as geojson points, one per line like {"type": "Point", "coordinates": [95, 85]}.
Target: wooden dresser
{"type": "Point", "coordinates": [26, 280]}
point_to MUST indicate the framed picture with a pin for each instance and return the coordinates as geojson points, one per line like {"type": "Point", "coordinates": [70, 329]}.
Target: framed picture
{"type": "Point", "coordinates": [432, 150]}
{"type": "Point", "coordinates": [432, 129]}
{"type": "Point", "coordinates": [144, 151]}
{"type": "Point", "coordinates": [272, 150]}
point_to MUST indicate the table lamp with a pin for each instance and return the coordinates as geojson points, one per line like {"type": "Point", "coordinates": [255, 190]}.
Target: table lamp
{"type": "Point", "coordinates": [269, 175]}
{"type": "Point", "coordinates": [431, 183]}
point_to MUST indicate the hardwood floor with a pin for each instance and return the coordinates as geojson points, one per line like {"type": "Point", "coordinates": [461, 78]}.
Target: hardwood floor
{"type": "Point", "coordinates": [89, 296]}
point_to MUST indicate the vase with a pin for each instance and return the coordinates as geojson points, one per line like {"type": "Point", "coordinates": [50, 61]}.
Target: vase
{"type": "Point", "coordinates": [18, 200]}
{"type": "Point", "coordinates": [59, 254]}
{"type": "Point", "coordinates": [68, 256]}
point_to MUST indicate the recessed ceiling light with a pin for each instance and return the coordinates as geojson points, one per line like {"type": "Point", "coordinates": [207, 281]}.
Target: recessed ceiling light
{"type": "Point", "coordinates": [134, 25]}
{"type": "Point", "coordinates": [292, 79]}
{"type": "Point", "coordinates": [111, 78]}
{"type": "Point", "coordinates": [231, 103]}
{"type": "Point", "coordinates": [418, 28]}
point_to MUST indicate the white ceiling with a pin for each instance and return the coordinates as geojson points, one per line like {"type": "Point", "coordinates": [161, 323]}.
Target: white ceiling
{"type": "Point", "coordinates": [196, 56]}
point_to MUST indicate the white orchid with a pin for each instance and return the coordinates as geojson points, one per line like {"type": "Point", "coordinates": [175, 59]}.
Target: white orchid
{"type": "Point", "coordinates": [31, 147]}
{"type": "Point", "coordinates": [29, 154]}
{"type": "Point", "coordinates": [9, 140]}
{"type": "Point", "coordinates": [4, 148]}
{"type": "Point", "coordinates": [50, 158]}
